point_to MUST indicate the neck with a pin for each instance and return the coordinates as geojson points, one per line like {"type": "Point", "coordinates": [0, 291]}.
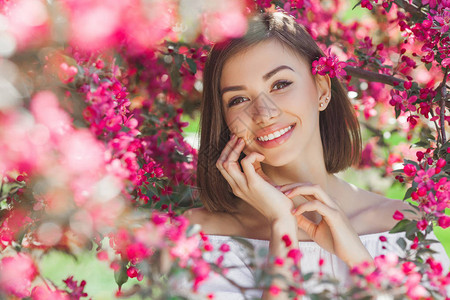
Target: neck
{"type": "Point", "coordinates": [312, 170]}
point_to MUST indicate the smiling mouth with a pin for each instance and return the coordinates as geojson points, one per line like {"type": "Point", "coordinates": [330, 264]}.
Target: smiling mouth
{"type": "Point", "coordinates": [276, 134]}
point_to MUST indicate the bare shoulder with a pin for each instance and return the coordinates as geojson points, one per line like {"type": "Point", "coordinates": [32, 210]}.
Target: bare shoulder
{"type": "Point", "coordinates": [376, 213]}
{"type": "Point", "coordinates": [211, 222]}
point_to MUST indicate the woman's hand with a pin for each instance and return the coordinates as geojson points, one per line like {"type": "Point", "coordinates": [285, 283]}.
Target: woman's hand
{"type": "Point", "coordinates": [252, 185]}
{"type": "Point", "coordinates": [334, 232]}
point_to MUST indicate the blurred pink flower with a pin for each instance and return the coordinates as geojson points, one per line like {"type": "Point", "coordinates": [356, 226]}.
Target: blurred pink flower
{"type": "Point", "coordinates": [46, 111]}
{"type": "Point", "coordinates": [227, 21]}
{"type": "Point", "coordinates": [16, 274]}
{"type": "Point", "coordinates": [67, 73]}
{"type": "Point", "coordinates": [82, 153]}
{"type": "Point", "coordinates": [28, 23]}
{"type": "Point", "coordinates": [186, 248]}
{"type": "Point", "coordinates": [43, 292]}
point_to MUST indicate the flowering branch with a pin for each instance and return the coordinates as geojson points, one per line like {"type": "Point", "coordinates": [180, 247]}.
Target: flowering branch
{"type": "Point", "coordinates": [412, 9]}
{"type": "Point", "coordinates": [442, 106]}
{"type": "Point", "coordinates": [372, 76]}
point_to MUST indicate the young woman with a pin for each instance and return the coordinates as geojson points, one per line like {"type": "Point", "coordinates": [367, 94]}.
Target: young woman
{"type": "Point", "coordinates": [272, 137]}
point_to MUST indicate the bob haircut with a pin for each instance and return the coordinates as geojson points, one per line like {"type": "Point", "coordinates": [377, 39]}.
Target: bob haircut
{"type": "Point", "coordinates": [339, 127]}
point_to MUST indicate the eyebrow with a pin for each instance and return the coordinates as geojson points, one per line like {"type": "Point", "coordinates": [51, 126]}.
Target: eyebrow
{"type": "Point", "coordinates": [266, 77]}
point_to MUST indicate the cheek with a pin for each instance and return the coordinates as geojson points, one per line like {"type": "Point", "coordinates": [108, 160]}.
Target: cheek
{"type": "Point", "coordinates": [237, 124]}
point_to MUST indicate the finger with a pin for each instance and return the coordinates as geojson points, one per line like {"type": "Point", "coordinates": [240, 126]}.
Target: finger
{"type": "Point", "coordinates": [226, 151]}
{"type": "Point", "coordinates": [287, 187]}
{"type": "Point", "coordinates": [248, 165]}
{"type": "Point", "coordinates": [306, 225]}
{"type": "Point", "coordinates": [236, 150]}
{"type": "Point", "coordinates": [223, 156]}
{"type": "Point", "coordinates": [316, 206]}
{"type": "Point", "coordinates": [231, 165]}
{"type": "Point", "coordinates": [315, 191]}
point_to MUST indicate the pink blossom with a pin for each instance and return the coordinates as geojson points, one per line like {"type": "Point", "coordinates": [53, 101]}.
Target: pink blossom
{"type": "Point", "coordinates": [398, 216]}
{"type": "Point", "coordinates": [224, 248]}
{"type": "Point", "coordinates": [46, 110]}
{"type": "Point", "coordinates": [67, 73]}
{"type": "Point", "coordinates": [401, 101]}
{"type": "Point", "coordinates": [133, 272]}
{"type": "Point", "coordinates": [77, 291]}
{"type": "Point", "coordinates": [410, 170]}
{"type": "Point", "coordinates": [229, 22]}
{"type": "Point", "coordinates": [43, 292]}
{"type": "Point", "coordinates": [422, 224]}
{"type": "Point", "coordinates": [295, 255]}
{"type": "Point", "coordinates": [287, 240]}
{"type": "Point", "coordinates": [274, 290]}
{"type": "Point", "coordinates": [28, 21]}
{"type": "Point", "coordinates": [16, 274]}
{"type": "Point", "coordinates": [201, 271]}
{"type": "Point", "coordinates": [329, 65]}
{"type": "Point", "coordinates": [444, 221]}
{"type": "Point", "coordinates": [82, 153]}
{"type": "Point", "coordinates": [186, 248]}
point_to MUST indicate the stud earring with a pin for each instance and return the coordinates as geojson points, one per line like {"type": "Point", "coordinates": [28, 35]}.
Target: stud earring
{"type": "Point", "coordinates": [321, 105]}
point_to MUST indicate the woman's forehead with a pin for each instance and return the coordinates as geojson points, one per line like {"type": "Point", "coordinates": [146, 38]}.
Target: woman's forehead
{"type": "Point", "coordinates": [259, 59]}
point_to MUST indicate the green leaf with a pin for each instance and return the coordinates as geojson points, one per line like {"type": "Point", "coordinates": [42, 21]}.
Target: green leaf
{"type": "Point", "coordinates": [402, 243]}
{"type": "Point", "coordinates": [408, 161]}
{"type": "Point", "coordinates": [178, 59]}
{"type": "Point", "coordinates": [120, 276]}
{"type": "Point", "coordinates": [400, 226]}
{"type": "Point", "coordinates": [244, 242]}
{"type": "Point", "coordinates": [192, 65]}
{"type": "Point", "coordinates": [411, 211]}
{"type": "Point", "coordinates": [308, 276]}
{"type": "Point", "coordinates": [389, 7]}
{"type": "Point", "coordinates": [357, 4]}
{"type": "Point", "coordinates": [408, 193]}
{"type": "Point", "coordinates": [411, 230]}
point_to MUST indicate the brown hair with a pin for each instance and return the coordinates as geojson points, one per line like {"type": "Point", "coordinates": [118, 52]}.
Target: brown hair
{"type": "Point", "coordinates": [339, 127]}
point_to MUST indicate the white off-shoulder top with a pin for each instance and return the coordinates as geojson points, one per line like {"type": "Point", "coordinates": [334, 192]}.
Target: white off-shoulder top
{"type": "Point", "coordinates": [241, 273]}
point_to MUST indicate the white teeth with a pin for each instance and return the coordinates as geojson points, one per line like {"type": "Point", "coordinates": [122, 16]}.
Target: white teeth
{"type": "Point", "coordinates": [274, 135]}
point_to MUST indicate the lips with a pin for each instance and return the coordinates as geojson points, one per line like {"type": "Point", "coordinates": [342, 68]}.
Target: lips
{"type": "Point", "coordinates": [274, 136]}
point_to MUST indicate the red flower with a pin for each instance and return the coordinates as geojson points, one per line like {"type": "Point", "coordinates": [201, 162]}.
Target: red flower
{"type": "Point", "coordinates": [274, 290]}
{"type": "Point", "coordinates": [295, 254]}
{"type": "Point", "coordinates": [398, 215]}
{"type": "Point", "coordinates": [422, 224]}
{"type": "Point", "coordinates": [444, 221]}
{"type": "Point", "coordinates": [287, 240]}
{"type": "Point", "coordinates": [410, 170]}
{"type": "Point", "coordinates": [16, 274]}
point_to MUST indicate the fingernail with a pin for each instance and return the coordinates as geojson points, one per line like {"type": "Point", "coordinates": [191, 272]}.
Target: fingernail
{"type": "Point", "coordinates": [232, 137]}
{"type": "Point", "coordinates": [287, 192]}
{"type": "Point", "coordinates": [293, 211]}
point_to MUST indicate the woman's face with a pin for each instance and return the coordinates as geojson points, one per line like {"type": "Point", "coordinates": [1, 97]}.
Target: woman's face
{"type": "Point", "coordinates": [271, 100]}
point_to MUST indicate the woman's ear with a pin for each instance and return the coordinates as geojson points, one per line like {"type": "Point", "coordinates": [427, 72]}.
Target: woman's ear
{"type": "Point", "coordinates": [323, 84]}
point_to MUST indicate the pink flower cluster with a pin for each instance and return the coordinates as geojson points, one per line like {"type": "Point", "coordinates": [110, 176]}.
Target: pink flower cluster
{"type": "Point", "coordinates": [161, 233]}
{"type": "Point", "coordinates": [401, 277]}
{"type": "Point", "coordinates": [329, 65]}
{"type": "Point", "coordinates": [431, 190]}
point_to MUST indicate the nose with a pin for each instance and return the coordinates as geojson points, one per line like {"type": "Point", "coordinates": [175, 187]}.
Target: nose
{"type": "Point", "coordinates": [263, 109]}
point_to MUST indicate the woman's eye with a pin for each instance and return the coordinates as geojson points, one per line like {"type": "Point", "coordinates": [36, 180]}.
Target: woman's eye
{"type": "Point", "coordinates": [280, 85]}
{"type": "Point", "coordinates": [236, 100]}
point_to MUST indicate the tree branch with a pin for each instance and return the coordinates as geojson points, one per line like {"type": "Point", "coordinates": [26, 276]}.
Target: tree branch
{"type": "Point", "coordinates": [412, 9]}
{"type": "Point", "coordinates": [372, 76]}
{"type": "Point", "coordinates": [442, 106]}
